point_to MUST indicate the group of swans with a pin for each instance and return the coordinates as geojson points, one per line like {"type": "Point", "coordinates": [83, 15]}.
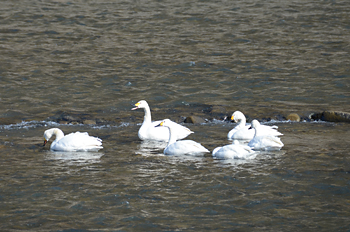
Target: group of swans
{"type": "Point", "coordinates": [260, 137]}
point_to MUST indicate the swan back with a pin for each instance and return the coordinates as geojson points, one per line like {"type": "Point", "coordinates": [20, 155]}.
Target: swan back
{"type": "Point", "coordinates": [72, 142]}
{"type": "Point", "coordinates": [233, 151]}
{"type": "Point", "coordinates": [185, 147]}
{"type": "Point", "coordinates": [77, 141]}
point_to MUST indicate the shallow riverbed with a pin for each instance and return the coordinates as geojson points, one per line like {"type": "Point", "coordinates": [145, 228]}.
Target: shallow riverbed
{"type": "Point", "coordinates": [93, 60]}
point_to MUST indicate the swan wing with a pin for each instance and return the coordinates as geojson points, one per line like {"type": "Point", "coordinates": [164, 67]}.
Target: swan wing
{"type": "Point", "coordinates": [244, 134]}
{"type": "Point", "coordinates": [266, 143]}
{"type": "Point", "coordinates": [77, 142]}
{"type": "Point", "coordinates": [185, 147]}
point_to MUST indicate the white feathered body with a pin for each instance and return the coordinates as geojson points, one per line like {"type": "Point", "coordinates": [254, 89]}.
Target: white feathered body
{"type": "Point", "coordinates": [233, 151]}
{"type": "Point", "coordinates": [266, 143]}
{"type": "Point", "coordinates": [262, 141]}
{"type": "Point", "coordinates": [185, 147]}
{"type": "Point", "coordinates": [149, 131]}
{"type": "Point", "coordinates": [247, 133]}
{"type": "Point", "coordinates": [182, 147]}
{"type": "Point", "coordinates": [76, 141]}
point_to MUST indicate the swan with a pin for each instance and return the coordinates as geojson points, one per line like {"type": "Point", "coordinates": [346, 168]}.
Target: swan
{"type": "Point", "coordinates": [182, 147]}
{"type": "Point", "coordinates": [149, 131]}
{"type": "Point", "coordinates": [243, 132]}
{"type": "Point", "coordinates": [234, 151]}
{"type": "Point", "coordinates": [262, 141]}
{"type": "Point", "coordinates": [72, 142]}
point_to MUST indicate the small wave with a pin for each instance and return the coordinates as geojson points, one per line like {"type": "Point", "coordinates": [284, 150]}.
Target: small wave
{"type": "Point", "coordinates": [35, 124]}
{"type": "Point", "coordinates": [28, 124]}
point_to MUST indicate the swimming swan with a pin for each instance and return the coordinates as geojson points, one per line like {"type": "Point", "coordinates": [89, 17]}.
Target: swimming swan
{"type": "Point", "coordinates": [149, 131]}
{"type": "Point", "coordinates": [72, 142]}
{"type": "Point", "coordinates": [182, 147]}
{"type": "Point", "coordinates": [242, 131]}
{"type": "Point", "coordinates": [234, 151]}
{"type": "Point", "coordinates": [264, 142]}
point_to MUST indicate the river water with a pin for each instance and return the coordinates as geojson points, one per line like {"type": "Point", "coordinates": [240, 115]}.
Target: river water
{"type": "Point", "coordinates": [92, 60]}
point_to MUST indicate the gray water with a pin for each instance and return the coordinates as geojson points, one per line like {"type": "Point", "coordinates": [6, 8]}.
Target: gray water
{"type": "Point", "coordinates": [94, 59]}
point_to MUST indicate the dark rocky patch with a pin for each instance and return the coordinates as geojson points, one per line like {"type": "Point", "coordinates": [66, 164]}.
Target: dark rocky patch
{"type": "Point", "coordinates": [331, 116]}
{"type": "Point", "coordinates": [194, 119]}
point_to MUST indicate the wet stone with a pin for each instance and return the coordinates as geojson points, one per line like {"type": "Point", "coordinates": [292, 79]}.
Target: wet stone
{"type": "Point", "coordinates": [293, 117]}
{"type": "Point", "coordinates": [194, 119]}
{"type": "Point", "coordinates": [331, 116]}
{"type": "Point", "coordinates": [89, 122]}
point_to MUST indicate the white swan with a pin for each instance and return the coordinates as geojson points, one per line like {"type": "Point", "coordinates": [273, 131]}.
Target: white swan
{"type": "Point", "coordinates": [264, 142]}
{"type": "Point", "coordinates": [242, 131]}
{"type": "Point", "coordinates": [182, 147]}
{"type": "Point", "coordinates": [72, 142]}
{"type": "Point", "coordinates": [149, 131]}
{"type": "Point", "coordinates": [234, 151]}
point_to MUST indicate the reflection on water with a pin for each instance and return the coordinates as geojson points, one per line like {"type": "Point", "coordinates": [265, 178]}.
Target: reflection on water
{"type": "Point", "coordinates": [151, 147]}
{"type": "Point", "coordinates": [75, 158]}
{"type": "Point", "coordinates": [254, 159]}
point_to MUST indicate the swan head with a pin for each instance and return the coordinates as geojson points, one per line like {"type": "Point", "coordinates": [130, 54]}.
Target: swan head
{"type": "Point", "coordinates": [165, 122]}
{"type": "Point", "coordinates": [47, 135]}
{"type": "Point", "coordinates": [255, 124]}
{"type": "Point", "coordinates": [50, 132]}
{"type": "Point", "coordinates": [141, 105]}
{"type": "Point", "coordinates": [237, 116]}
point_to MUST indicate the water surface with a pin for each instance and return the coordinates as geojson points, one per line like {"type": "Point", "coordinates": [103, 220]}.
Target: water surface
{"type": "Point", "coordinates": [91, 60]}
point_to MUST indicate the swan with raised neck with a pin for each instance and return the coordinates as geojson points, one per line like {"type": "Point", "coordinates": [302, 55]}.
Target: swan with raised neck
{"type": "Point", "coordinates": [149, 131]}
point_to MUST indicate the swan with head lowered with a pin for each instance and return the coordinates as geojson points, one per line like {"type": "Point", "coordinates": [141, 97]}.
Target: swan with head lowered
{"type": "Point", "coordinates": [234, 151]}
{"type": "Point", "coordinates": [181, 147]}
{"type": "Point", "coordinates": [262, 141]}
{"type": "Point", "coordinates": [243, 132]}
{"type": "Point", "coordinates": [149, 131]}
{"type": "Point", "coordinates": [76, 141]}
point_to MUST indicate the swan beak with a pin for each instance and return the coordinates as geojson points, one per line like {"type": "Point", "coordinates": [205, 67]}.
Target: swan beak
{"type": "Point", "coordinates": [232, 118]}
{"type": "Point", "coordinates": [45, 141]}
{"type": "Point", "coordinates": [136, 106]}
{"type": "Point", "coordinates": [161, 124]}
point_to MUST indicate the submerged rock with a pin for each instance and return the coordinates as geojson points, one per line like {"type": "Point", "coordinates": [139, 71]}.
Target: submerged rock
{"type": "Point", "coordinates": [89, 122]}
{"type": "Point", "coordinates": [293, 117]}
{"type": "Point", "coordinates": [331, 116]}
{"type": "Point", "coordinates": [194, 119]}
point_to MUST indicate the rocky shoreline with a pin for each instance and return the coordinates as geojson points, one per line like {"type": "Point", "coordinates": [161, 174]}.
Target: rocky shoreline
{"type": "Point", "coordinates": [199, 114]}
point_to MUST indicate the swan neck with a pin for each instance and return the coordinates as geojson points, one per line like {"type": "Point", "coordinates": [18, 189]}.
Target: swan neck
{"type": "Point", "coordinates": [241, 122]}
{"type": "Point", "coordinates": [172, 137]}
{"type": "Point", "coordinates": [256, 131]}
{"type": "Point", "coordinates": [58, 133]}
{"type": "Point", "coordinates": [147, 118]}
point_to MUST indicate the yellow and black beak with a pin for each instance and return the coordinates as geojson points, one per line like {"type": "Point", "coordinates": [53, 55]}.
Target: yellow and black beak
{"type": "Point", "coordinates": [136, 106]}
{"type": "Point", "coordinates": [232, 117]}
{"type": "Point", "coordinates": [161, 124]}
